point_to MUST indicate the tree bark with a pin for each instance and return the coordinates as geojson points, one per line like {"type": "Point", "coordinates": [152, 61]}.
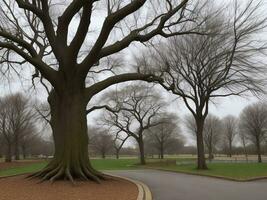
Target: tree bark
{"type": "Point", "coordinates": [69, 126]}
{"type": "Point", "coordinates": [142, 151]}
{"type": "Point", "coordinates": [201, 162]}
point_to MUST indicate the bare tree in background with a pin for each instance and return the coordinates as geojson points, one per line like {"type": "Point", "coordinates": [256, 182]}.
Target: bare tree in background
{"type": "Point", "coordinates": [101, 142]}
{"type": "Point", "coordinates": [162, 136]}
{"type": "Point", "coordinates": [28, 138]}
{"type": "Point", "coordinates": [253, 123]}
{"type": "Point", "coordinates": [229, 132]}
{"type": "Point", "coordinates": [212, 132]}
{"type": "Point", "coordinates": [244, 141]}
{"type": "Point", "coordinates": [16, 116]}
{"type": "Point", "coordinates": [134, 110]}
{"type": "Point", "coordinates": [118, 141]}
{"type": "Point", "coordinates": [70, 59]}
{"type": "Point", "coordinates": [225, 62]}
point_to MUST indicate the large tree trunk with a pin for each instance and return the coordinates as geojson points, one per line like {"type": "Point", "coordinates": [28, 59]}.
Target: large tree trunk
{"type": "Point", "coordinates": [69, 125]}
{"type": "Point", "coordinates": [142, 151]}
{"type": "Point", "coordinates": [201, 162]}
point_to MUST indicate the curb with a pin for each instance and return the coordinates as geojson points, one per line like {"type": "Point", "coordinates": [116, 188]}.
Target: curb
{"type": "Point", "coordinates": [144, 192]}
{"type": "Point", "coordinates": [211, 176]}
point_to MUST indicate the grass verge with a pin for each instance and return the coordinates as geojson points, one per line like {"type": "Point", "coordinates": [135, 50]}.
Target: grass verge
{"type": "Point", "coordinates": [235, 171]}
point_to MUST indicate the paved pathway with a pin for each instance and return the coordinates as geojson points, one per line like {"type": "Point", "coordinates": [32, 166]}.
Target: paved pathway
{"type": "Point", "coordinates": [176, 186]}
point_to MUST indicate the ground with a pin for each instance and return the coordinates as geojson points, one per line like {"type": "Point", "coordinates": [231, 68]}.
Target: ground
{"type": "Point", "coordinates": [20, 188]}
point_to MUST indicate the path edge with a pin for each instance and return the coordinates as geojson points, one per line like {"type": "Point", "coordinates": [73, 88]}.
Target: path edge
{"type": "Point", "coordinates": [144, 192]}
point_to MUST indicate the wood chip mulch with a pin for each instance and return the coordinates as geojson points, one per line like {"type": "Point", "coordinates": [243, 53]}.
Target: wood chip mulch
{"type": "Point", "coordinates": [20, 188]}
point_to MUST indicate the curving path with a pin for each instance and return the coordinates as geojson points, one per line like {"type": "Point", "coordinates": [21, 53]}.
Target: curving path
{"type": "Point", "coordinates": [176, 186]}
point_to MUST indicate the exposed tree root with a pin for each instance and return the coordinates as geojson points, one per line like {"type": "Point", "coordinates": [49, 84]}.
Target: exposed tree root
{"type": "Point", "coordinates": [61, 171]}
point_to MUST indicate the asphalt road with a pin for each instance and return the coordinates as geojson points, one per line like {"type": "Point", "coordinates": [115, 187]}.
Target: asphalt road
{"type": "Point", "coordinates": [175, 186]}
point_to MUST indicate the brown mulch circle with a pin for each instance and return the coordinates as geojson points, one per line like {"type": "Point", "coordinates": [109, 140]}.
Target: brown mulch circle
{"type": "Point", "coordinates": [20, 188]}
{"type": "Point", "coordinates": [8, 165]}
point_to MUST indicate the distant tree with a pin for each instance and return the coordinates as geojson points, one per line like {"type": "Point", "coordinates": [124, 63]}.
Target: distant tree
{"type": "Point", "coordinates": [133, 110]}
{"type": "Point", "coordinates": [244, 142]}
{"type": "Point", "coordinates": [253, 123]}
{"type": "Point", "coordinates": [212, 132]}
{"type": "Point", "coordinates": [29, 138]}
{"type": "Point", "coordinates": [16, 117]}
{"type": "Point", "coordinates": [118, 141]}
{"type": "Point", "coordinates": [224, 62]}
{"type": "Point", "coordinates": [165, 135]}
{"type": "Point", "coordinates": [101, 142]}
{"type": "Point", "coordinates": [229, 128]}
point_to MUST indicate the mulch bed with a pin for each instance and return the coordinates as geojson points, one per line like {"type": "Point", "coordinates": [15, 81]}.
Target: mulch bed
{"type": "Point", "coordinates": [20, 188]}
{"type": "Point", "coordinates": [4, 165]}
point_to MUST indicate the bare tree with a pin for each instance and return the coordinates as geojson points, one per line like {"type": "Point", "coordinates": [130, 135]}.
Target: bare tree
{"type": "Point", "coordinates": [229, 132]}
{"type": "Point", "coordinates": [212, 132]}
{"type": "Point", "coordinates": [101, 142]}
{"type": "Point", "coordinates": [253, 123]}
{"type": "Point", "coordinates": [68, 59]}
{"type": "Point", "coordinates": [244, 142]}
{"type": "Point", "coordinates": [134, 111]}
{"type": "Point", "coordinates": [29, 137]}
{"type": "Point", "coordinates": [162, 136]}
{"type": "Point", "coordinates": [118, 142]}
{"type": "Point", "coordinates": [225, 62]}
{"type": "Point", "coordinates": [16, 117]}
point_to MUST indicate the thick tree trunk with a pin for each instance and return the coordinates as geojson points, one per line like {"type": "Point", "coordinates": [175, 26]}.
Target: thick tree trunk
{"type": "Point", "coordinates": [201, 162]}
{"type": "Point", "coordinates": [142, 151]}
{"type": "Point", "coordinates": [8, 157]}
{"type": "Point", "coordinates": [69, 125]}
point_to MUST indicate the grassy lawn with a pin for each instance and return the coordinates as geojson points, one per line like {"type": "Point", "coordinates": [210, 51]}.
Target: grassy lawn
{"type": "Point", "coordinates": [99, 164]}
{"type": "Point", "coordinates": [22, 169]}
{"type": "Point", "coordinates": [239, 171]}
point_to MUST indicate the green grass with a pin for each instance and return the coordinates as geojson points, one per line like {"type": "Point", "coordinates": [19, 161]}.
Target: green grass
{"type": "Point", "coordinates": [22, 169]}
{"type": "Point", "coordinates": [114, 164]}
{"type": "Point", "coordinates": [99, 164]}
{"type": "Point", "coordinates": [238, 171]}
